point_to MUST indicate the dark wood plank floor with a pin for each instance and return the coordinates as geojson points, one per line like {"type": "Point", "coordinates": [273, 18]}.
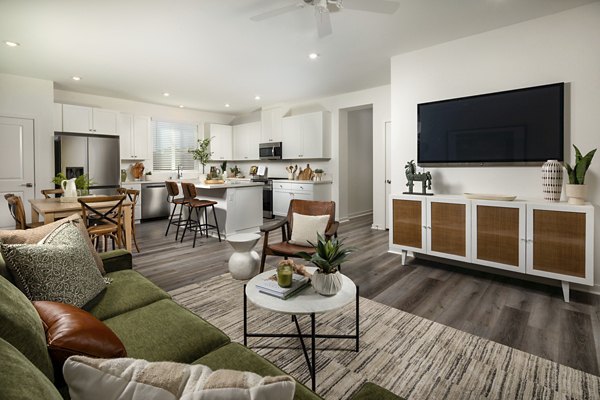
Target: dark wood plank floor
{"type": "Point", "coordinates": [527, 316]}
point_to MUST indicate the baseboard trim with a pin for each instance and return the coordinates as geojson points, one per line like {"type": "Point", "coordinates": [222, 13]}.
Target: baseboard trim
{"type": "Point", "coordinates": [360, 214]}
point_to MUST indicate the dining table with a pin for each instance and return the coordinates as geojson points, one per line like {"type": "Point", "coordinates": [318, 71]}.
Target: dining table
{"type": "Point", "coordinates": [53, 209]}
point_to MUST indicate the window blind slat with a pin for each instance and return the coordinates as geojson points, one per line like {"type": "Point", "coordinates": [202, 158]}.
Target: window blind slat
{"type": "Point", "coordinates": [172, 142]}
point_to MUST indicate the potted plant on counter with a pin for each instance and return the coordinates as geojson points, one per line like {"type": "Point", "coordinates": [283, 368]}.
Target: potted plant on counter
{"type": "Point", "coordinates": [576, 188]}
{"type": "Point", "coordinates": [329, 255]}
{"type": "Point", "coordinates": [202, 154]}
{"type": "Point", "coordinates": [319, 174]}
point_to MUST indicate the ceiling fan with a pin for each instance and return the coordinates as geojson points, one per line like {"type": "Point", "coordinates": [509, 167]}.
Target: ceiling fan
{"type": "Point", "coordinates": [324, 7]}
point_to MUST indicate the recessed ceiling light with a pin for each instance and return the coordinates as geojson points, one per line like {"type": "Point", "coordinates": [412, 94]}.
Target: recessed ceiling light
{"type": "Point", "coordinates": [166, 94]}
{"type": "Point", "coordinates": [227, 105]}
{"type": "Point", "coordinates": [181, 106]}
{"type": "Point", "coordinates": [313, 56]}
{"type": "Point", "coordinates": [11, 44]}
{"type": "Point", "coordinates": [76, 78]}
{"type": "Point", "coordinates": [256, 97]}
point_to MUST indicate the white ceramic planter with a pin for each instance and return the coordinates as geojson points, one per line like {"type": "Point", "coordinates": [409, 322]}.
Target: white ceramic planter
{"type": "Point", "coordinates": [552, 179]}
{"type": "Point", "coordinates": [326, 284]}
{"type": "Point", "coordinates": [577, 194]}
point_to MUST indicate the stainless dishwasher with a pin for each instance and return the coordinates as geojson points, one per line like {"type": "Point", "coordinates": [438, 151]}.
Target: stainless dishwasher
{"type": "Point", "coordinates": [154, 201]}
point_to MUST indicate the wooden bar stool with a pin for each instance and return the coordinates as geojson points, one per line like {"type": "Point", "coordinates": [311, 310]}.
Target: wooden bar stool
{"type": "Point", "coordinates": [132, 195]}
{"type": "Point", "coordinates": [194, 204]}
{"type": "Point", "coordinates": [172, 193]}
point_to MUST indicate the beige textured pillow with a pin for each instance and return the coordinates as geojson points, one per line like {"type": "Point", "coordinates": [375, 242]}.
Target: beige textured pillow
{"type": "Point", "coordinates": [128, 379]}
{"type": "Point", "coordinates": [306, 227]}
{"type": "Point", "coordinates": [34, 236]}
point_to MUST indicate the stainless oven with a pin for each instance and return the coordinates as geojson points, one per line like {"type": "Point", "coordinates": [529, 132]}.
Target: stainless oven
{"type": "Point", "coordinates": [267, 196]}
{"type": "Point", "coordinates": [270, 151]}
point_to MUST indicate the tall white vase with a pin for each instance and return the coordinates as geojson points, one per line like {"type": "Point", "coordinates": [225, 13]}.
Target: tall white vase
{"type": "Point", "coordinates": [552, 178]}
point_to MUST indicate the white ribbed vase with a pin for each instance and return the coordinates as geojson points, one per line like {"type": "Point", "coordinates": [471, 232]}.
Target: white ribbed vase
{"type": "Point", "coordinates": [552, 178]}
{"type": "Point", "coordinates": [326, 284]}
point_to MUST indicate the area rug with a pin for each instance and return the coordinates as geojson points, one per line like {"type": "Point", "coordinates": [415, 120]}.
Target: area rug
{"type": "Point", "coordinates": [411, 356]}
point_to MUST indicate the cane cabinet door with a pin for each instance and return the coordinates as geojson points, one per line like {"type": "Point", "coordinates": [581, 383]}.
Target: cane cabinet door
{"type": "Point", "coordinates": [560, 242]}
{"type": "Point", "coordinates": [449, 228]}
{"type": "Point", "coordinates": [499, 234]}
{"type": "Point", "coordinates": [408, 223]}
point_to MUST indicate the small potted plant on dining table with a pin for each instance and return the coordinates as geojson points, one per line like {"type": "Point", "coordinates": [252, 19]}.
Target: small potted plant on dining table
{"type": "Point", "coordinates": [329, 255]}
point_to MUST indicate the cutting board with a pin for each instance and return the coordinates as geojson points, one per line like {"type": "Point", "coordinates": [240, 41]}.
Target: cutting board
{"type": "Point", "coordinates": [306, 174]}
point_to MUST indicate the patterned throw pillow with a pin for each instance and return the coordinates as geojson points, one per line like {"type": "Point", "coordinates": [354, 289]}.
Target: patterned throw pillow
{"type": "Point", "coordinates": [129, 379]}
{"type": "Point", "coordinates": [61, 268]}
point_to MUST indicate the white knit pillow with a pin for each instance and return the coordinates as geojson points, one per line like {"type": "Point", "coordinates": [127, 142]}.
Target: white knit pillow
{"type": "Point", "coordinates": [306, 227]}
{"type": "Point", "coordinates": [131, 379]}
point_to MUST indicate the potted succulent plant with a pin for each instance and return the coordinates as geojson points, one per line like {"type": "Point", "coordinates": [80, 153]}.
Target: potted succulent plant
{"type": "Point", "coordinates": [329, 255]}
{"type": "Point", "coordinates": [576, 188]}
{"type": "Point", "coordinates": [319, 174]}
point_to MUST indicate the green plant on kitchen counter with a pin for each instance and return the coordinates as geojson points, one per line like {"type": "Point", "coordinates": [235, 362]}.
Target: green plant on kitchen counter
{"type": "Point", "coordinates": [578, 170]}
{"type": "Point", "coordinates": [82, 182]}
{"type": "Point", "coordinates": [201, 153]}
{"type": "Point", "coordinates": [319, 171]}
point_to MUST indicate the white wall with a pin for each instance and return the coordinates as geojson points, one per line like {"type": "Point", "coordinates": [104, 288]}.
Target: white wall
{"type": "Point", "coordinates": [359, 166]}
{"type": "Point", "coordinates": [155, 111]}
{"type": "Point", "coordinates": [32, 99]}
{"type": "Point", "coordinates": [559, 48]}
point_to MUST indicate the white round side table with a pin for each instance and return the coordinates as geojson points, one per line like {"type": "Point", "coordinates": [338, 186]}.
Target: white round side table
{"type": "Point", "coordinates": [244, 263]}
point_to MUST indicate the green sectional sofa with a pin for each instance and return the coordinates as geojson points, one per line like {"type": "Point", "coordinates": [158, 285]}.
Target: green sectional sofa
{"type": "Point", "coordinates": [148, 322]}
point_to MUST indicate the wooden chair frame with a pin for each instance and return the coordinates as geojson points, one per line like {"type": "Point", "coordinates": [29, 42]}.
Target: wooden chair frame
{"type": "Point", "coordinates": [132, 195]}
{"type": "Point", "coordinates": [17, 210]}
{"type": "Point", "coordinates": [49, 192]}
{"type": "Point", "coordinates": [113, 216]}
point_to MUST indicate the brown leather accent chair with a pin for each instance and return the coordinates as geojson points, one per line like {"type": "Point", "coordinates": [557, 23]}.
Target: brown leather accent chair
{"type": "Point", "coordinates": [132, 195]}
{"type": "Point", "coordinates": [49, 192]}
{"type": "Point", "coordinates": [105, 224]}
{"type": "Point", "coordinates": [17, 210]}
{"type": "Point", "coordinates": [284, 248]}
{"type": "Point", "coordinates": [172, 197]}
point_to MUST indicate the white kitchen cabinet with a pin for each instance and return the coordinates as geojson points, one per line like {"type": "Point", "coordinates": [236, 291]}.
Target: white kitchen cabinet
{"type": "Point", "coordinates": [221, 143]}
{"type": "Point", "coordinates": [246, 138]}
{"type": "Point", "coordinates": [271, 124]}
{"type": "Point", "coordinates": [134, 131]}
{"type": "Point", "coordinates": [307, 136]}
{"type": "Point", "coordinates": [58, 118]}
{"type": "Point", "coordinates": [79, 119]}
{"type": "Point", "coordinates": [284, 191]}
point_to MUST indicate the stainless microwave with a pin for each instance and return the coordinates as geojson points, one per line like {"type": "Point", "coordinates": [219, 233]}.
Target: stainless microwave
{"type": "Point", "coordinates": [270, 151]}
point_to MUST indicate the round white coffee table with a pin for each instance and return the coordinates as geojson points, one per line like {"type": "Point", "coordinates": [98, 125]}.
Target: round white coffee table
{"type": "Point", "coordinates": [307, 302]}
{"type": "Point", "coordinates": [244, 263]}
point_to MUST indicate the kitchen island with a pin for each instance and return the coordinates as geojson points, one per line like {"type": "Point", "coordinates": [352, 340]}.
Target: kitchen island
{"type": "Point", "coordinates": [239, 205]}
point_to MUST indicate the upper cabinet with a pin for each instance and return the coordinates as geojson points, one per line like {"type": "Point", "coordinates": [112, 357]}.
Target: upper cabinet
{"type": "Point", "coordinates": [306, 136]}
{"type": "Point", "coordinates": [271, 124]}
{"type": "Point", "coordinates": [79, 119]}
{"type": "Point", "coordinates": [135, 131]}
{"type": "Point", "coordinates": [221, 141]}
{"type": "Point", "coordinates": [246, 138]}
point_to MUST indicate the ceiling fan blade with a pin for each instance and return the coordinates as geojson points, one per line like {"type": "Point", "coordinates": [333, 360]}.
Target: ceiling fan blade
{"type": "Point", "coordinates": [377, 6]}
{"type": "Point", "coordinates": [323, 23]}
{"type": "Point", "coordinates": [276, 12]}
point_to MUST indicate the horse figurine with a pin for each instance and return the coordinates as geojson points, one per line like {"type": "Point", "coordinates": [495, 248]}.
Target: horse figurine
{"type": "Point", "coordinates": [412, 176]}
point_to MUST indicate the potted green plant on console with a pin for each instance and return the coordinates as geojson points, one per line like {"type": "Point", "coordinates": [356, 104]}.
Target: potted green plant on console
{"type": "Point", "coordinates": [577, 189]}
{"type": "Point", "coordinates": [329, 255]}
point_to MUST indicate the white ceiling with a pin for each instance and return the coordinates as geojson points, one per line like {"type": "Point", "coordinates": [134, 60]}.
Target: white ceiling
{"type": "Point", "coordinates": [208, 52]}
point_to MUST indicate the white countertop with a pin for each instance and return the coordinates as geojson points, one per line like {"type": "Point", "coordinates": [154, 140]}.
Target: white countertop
{"type": "Point", "coordinates": [326, 181]}
{"type": "Point", "coordinates": [141, 182]}
{"type": "Point", "coordinates": [227, 185]}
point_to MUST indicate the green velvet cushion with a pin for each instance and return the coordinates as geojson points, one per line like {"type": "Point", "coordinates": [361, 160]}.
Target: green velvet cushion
{"type": "Point", "coordinates": [21, 326]}
{"type": "Point", "coordinates": [128, 291]}
{"type": "Point", "coordinates": [116, 260]}
{"type": "Point", "coordinates": [20, 379]}
{"type": "Point", "coordinates": [237, 357]}
{"type": "Point", "coordinates": [4, 272]}
{"type": "Point", "coordinates": [370, 391]}
{"type": "Point", "coordinates": [165, 331]}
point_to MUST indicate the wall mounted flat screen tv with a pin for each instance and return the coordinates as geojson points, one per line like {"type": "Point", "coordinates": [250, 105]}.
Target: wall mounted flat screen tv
{"type": "Point", "coordinates": [515, 127]}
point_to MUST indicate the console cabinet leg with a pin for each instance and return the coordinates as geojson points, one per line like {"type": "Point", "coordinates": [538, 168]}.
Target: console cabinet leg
{"type": "Point", "coordinates": [404, 254]}
{"type": "Point", "coordinates": [565, 289]}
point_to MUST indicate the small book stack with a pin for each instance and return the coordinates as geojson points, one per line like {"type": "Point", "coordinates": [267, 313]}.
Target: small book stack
{"type": "Point", "coordinates": [269, 286]}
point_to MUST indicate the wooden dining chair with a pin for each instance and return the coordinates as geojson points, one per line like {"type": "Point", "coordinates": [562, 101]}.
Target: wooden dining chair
{"type": "Point", "coordinates": [105, 224]}
{"type": "Point", "coordinates": [132, 195]}
{"type": "Point", "coordinates": [17, 210]}
{"type": "Point", "coordinates": [286, 249]}
{"type": "Point", "coordinates": [48, 193]}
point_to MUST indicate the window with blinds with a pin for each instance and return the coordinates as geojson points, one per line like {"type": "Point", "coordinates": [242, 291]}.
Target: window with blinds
{"type": "Point", "coordinates": [172, 142]}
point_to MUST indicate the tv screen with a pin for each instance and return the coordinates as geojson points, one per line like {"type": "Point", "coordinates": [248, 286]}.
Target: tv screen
{"type": "Point", "coordinates": [518, 127]}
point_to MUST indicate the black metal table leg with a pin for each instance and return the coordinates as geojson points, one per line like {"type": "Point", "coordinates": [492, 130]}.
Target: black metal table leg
{"type": "Point", "coordinates": [245, 318]}
{"type": "Point", "coordinates": [357, 319]}
{"type": "Point", "coordinates": [313, 370]}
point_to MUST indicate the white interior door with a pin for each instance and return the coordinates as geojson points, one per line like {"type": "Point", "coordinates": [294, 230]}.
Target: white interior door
{"type": "Point", "coordinates": [17, 171]}
{"type": "Point", "coordinates": [388, 171]}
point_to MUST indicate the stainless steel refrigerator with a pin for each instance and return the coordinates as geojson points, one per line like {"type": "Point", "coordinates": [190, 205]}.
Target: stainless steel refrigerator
{"type": "Point", "coordinates": [97, 156]}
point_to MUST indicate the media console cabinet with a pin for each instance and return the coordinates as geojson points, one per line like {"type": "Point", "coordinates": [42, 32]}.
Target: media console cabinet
{"type": "Point", "coordinates": [552, 240]}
